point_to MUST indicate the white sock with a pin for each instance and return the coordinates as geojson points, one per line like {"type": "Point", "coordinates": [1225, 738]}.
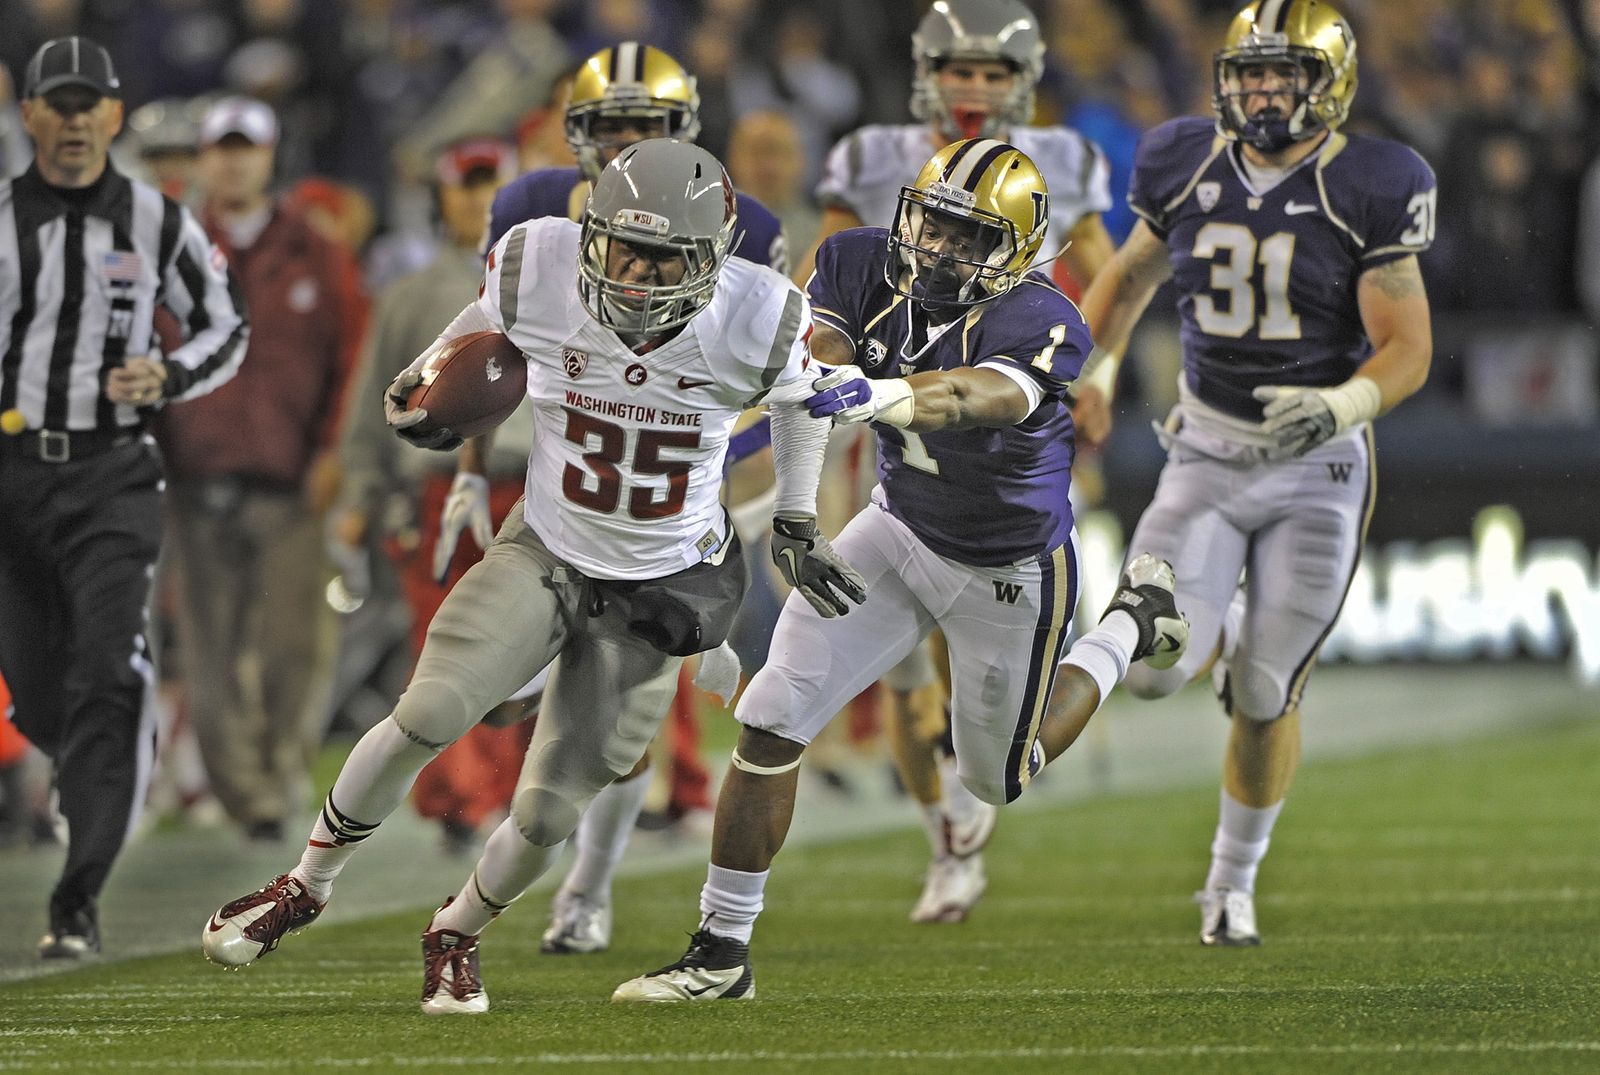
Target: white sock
{"type": "Point", "coordinates": [374, 781]}
{"type": "Point", "coordinates": [509, 864]}
{"type": "Point", "coordinates": [730, 902]}
{"type": "Point", "coordinates": [1106, 651]}
{"type": "Point", "coordinates": [933, 824]}
{"type": "Point", "coordinates": [602, 837]}
{"type": "Point", "coordinates": [1243, 833]}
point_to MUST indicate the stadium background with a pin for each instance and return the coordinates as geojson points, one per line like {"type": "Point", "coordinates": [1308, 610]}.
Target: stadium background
{"type": "Point", "coordinates": [1478, 613]}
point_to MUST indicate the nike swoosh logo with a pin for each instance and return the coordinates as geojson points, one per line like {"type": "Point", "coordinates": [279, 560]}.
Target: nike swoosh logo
{"type": "Point", "coordinates": [690, 382]}
{"type": "Point", "coordinates": [701, 992]}
{"type": "Point", "coordinates": [1291, 209]}
{"type": "Point", "coordinates": [213, 925]}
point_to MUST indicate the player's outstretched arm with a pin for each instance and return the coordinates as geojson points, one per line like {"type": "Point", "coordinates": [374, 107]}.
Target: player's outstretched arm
{"type": "Point", "coordinates": [922, 403]}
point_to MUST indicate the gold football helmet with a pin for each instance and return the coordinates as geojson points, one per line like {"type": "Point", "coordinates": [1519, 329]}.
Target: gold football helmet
{"type": "Point", "coordinates": [971, 225]}
{"type": "Point", "coordinates": [629, 81]}
{"type": "Point", "coordinates": [1307, 33]}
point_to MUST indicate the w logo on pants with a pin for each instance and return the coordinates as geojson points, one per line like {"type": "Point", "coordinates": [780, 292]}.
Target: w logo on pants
{"type": "Point", "coordinates": [1007, 592]}
{"type": "Point", "coordinates": [1340, 472]}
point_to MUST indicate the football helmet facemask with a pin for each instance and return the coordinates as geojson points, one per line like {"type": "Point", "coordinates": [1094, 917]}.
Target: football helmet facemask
{"type": "Point", "coordinates": [970, 227]}
{"type": "Point", "coordinates": [993, 30]}
{"type": "Point", "coordinates": [629, 81]}
{"type": "Point", "coordinates": [1313, 37]}
{"type": "Point", "coordinates": [658, 195]}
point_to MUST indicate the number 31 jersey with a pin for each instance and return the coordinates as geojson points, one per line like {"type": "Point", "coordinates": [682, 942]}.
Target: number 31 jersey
{"type": "Point", "coordinates": [626, 468]}
{"type": "Point", "coordinates": [1267, 282]}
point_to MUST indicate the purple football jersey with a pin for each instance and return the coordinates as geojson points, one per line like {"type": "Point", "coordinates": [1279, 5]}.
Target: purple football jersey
{"type": "Point", "coordinates": [983, 497]}
{"type": "Point", "coordinates": [1267, 282]}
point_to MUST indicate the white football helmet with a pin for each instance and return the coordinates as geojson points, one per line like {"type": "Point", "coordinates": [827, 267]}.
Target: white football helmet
{"type": "Point", "coordinates": [657, 194]}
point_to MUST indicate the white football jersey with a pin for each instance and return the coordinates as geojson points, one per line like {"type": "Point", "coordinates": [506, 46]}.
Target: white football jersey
{"type": "Point", "coordinates": [624, 477]}
{"type": "Point", "coordinates": [866, 169]}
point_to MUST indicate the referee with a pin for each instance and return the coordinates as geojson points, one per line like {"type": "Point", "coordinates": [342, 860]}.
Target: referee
{"type": "Point", "coordinates": [86, 257]}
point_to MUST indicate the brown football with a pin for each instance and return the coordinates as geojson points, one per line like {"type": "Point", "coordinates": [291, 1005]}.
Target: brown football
{"type": "Point", "coordinates": [471, 384]}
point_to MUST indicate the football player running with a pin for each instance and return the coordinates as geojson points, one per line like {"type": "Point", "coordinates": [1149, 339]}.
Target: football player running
{"type": "Point", "coordinates": [644, 343]}
{"type": "Point", "coordinates": [620, 96]}
{"type": "Point", "coordinates": [978, 63]}
{"type": "Point", "coordinates": [961, 358]}
{"type": "Point", "coordinates": [1293, 248]}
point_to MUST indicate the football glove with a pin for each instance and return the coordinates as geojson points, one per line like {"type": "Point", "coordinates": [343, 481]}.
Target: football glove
{"type": "Point", "coordinates": [406, 424]}
{"type": "Point", "coordinates": [808, 563]}
{"type": "Point", "coordinates": [466, 508]}
{"type": "Point", "coordinates": [1298, 419]}
{"type": "Point", "coordinates": [846, 395]}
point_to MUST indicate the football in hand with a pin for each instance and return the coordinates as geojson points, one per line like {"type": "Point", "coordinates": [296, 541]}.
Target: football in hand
{"type": "Point", "coordinates": [471, 383]}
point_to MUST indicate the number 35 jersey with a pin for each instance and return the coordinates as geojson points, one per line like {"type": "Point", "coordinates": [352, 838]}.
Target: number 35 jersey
{"type": "Point", "coordinates": [1266, 282]}
{"type": "Point", "coordinates": [626, 468]}
{"type": "Point", "coordinates": [984, 497]}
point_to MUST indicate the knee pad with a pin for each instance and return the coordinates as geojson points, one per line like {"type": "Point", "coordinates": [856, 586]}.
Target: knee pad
{"type": "Point", "coordinates": [1256, 695]}
{"type": "Point", "coordinates": [1148, 683]}
{"type": "Point", "coordinates": [434, 713]}
{"type": "Point", "coordinates": [991, 789]}
{"type": "Point", "coordinates": [544, 816]}
{"type": "Point", "coordinates": [916, 670]}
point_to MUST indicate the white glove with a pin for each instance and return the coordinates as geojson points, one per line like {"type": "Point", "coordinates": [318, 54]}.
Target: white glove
{"type": "Point", "coordinates": [1300, 418]}
{"type": "Point", "coordinates": [846, 395]}
{"type": "Point", "coordinates": [719, 673]}
{"type": "Point", "coordinates": [467, 507]}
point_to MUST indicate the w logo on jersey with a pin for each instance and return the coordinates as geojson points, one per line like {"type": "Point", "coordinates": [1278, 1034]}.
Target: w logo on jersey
{"type": "Point", "coordinates": [1007, 592]}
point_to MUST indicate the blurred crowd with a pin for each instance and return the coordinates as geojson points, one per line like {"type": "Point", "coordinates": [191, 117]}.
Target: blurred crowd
{"type": "Point", "coordinates": [1499, 95]}
{"type": "Point", "coordinates": [382, 126]}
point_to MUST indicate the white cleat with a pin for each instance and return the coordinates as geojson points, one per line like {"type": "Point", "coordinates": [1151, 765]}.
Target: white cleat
{"type": "Point", "coordinates": [249, 927]}
{"type": "Point", "coordinates": [714, 968]}
{"type": "Point", "coordinates": [1145, 593]}
{"type": "Point", "coordinates": [451, 984]}
{"type": "Point", "coordinates": [1227, 918]}
{"type": "Point", "coordinates": [953, 886]}
{"type": "Point", "coordinates": [578, 925]}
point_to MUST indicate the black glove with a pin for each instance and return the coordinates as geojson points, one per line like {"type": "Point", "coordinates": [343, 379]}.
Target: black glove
{"type": "Point", "coordinates": [412, 426]}
{"type": "Point", "coordinates": [809, 564]}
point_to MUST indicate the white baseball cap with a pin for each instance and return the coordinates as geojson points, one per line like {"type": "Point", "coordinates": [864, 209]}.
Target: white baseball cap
{"type": "Point", "coordinates": [245, 116]}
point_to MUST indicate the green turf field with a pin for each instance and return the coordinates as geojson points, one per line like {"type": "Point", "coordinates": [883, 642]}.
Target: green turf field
{"type": "Point", "coordinates": [1431, 910]}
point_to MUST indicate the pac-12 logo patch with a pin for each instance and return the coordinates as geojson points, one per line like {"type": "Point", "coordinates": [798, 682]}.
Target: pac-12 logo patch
{"type": "Point", "coordinates": [574, 362]}
{"type": "Point", "coordinates": [1207, 194]}
{"type": "Point", "coordinates": [877, 351]}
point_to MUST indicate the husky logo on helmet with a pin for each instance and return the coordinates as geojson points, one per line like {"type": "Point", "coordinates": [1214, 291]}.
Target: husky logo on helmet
{"type": "Point", "coordinates": [971, 225]}
{"type": "Point", "coordinates": [658, 195]}
{"type": "Point", "coordinates": [1308, 34]}
{"type": "Point", "coordinates": [1001, 31]}
{"type": "Point", "coordinates": [629, 81]}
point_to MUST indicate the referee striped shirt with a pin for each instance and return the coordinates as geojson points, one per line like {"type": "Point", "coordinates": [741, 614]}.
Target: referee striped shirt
{"type": "Point", "coordinates": [81, 276]}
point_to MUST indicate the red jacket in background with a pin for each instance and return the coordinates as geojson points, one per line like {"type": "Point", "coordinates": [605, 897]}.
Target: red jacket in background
{"type": "Point", "coordinates": [267, 424]}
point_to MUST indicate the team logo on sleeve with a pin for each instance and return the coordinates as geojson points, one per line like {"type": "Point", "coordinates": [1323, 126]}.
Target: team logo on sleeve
{"type": "Point", "coordinates": [1207, 194]}
{"type": "Point", "coordinates": [574, 362]}
{"type": "Point", "coordinates": [877, 353]}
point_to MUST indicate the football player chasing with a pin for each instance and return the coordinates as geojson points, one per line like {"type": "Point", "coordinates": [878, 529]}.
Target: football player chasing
{"type": "Point", "coordinates": [1293, 248]}
{"type": "Point", "coordinates": [644, 343]}
{"type": "Point", "coordinates": [620, 96]}
{"type": "Point", "coordinates": [963, 358]}
{"type": "Point", "coordinates": [978, 64]}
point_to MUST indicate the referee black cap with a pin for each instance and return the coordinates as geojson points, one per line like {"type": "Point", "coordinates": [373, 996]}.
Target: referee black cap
{"type": "Point", "coordinates": [71, 61]}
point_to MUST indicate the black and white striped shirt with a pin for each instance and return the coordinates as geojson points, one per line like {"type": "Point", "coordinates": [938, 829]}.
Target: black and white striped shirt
{"type": "Point", "coordinates": [81, 276]}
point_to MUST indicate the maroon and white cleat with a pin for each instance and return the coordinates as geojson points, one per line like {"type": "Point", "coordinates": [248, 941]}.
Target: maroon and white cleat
{"type": "Point", "coordinates": [450, 981]}
{"type": "Point", "coordinates": [243, 931]}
